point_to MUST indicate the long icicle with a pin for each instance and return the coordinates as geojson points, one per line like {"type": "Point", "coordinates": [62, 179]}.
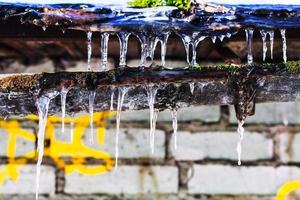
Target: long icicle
{"type": "Point", "coordinates": [42, 106]}
{"type": "Point", "coordinates": [249, 37]}
{"type": "Point", "coordinates": [271, 34]}
{"type": "Point", "coordinates": [151, 92]}
{"type": "Point", "coordinates": [121, 94]}
{"type": "Point", "coordinates": [91, 112]}
{"type": "Point", "coordinates": [72, 127]}
{"type": "Point", "coordinates": [104, 50]}
{"type": "Point", "coordinates": [264, 40]}
{"type": "Point", "coordinates": [89, 49]}
{"type": "Point", "coordinates": [123, 39]}
{"type": "Point", "coordinates": [175, 125]}
{"type": "Point", "coordinates": [163, 43]}
{"type": "Point", "coordinates": [112, 98]}
{"type": "Point", "coordinates": [63, 97]}
{"type": "Point", "coordinates": [240, 131]}
{"type": "Point", "coordinates": [186, 42]}
{"type": "Point", "coordinates": [284, 47]}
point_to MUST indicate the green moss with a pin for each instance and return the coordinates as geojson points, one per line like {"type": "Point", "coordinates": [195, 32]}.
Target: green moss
{"type": "Point", "coordinates": [293, 67]}
{"type": "Point", "coordinates": [182, 4]}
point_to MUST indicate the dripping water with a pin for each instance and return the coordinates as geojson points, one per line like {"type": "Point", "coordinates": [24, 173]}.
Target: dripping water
{"type": "Point", "coordinates": [249, 37]}
{"type": "Point", "coordinates": [89, 49]}
{"type": "Point", "coordinates": [63, 97]}
{"type": "Point", "coordinates": [121, 94]}
{"type": "Point", "coordinates": [42, 106]}
{"type": "Point", "coordinates": [284, 47]}
{"type": "Point", "coordinates": [240, 131]}
{"type": "Point", "coordinates": [91, 112]}
{"type": "Point", "coordinates": [123, 38]}
{"type": "Point", "coordinates": [151, 92]}
{"type": "Point", "coordinates": [264, 40]}
{"type": "Point", "coordinates": [174, 125]}
{"type": "Point", "coordinates": [104, 49]}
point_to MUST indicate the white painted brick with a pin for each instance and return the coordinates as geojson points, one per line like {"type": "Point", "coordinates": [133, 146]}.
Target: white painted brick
{"type": "Point", "coordinates": [126, 180]}
{"type": "Point", "coordinates": [233, 180]}
{"type": "Point", "coordinates": [201, 113]}
{"type": "Point", "coordinates": [22, 145]}
{"type": "Point", "coordinates": [221, 145]}
{"type": "Point", "coordinates": [133, 142]}
{"type": "Point", "coordinates": [271, 113]}
{"type": "Point", "coordinates": [25, 184]}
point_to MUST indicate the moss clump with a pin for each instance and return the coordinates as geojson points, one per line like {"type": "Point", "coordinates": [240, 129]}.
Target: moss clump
{"type": "Point", "coordinates": [293, 67]}
{"type": "Point", "coordinates": [182, 4]}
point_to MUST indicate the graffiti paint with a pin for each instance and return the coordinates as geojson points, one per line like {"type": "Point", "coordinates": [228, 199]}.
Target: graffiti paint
{"type": "Point", "coordinates": [57, 150]}
{"type": "Point", "coordinates": [287, 189]}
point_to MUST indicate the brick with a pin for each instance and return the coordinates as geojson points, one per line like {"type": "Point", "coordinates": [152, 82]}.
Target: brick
{"type": "Point", "coordinates": [200, 113]}
{"type": "Point", "coordinates": [272, 113]}
{"type": "Point", "coordinates": [289, 147]}
{"type": "Point", "coordinates": [22, 145]}
{"type": "Point", "coordinates": [133, 142]}
{"type": "Point", "coordinates": [25, 184]}
{"type": "Point", "coordinates": [221, 145]}
{"type": "Point", "coordinates": [233, 180]}
{"type": "Point", "coordinates": [126, 180]}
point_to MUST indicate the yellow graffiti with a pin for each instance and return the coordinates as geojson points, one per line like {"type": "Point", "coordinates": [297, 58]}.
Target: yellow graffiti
{"type": "Point", "coordinates": [286, 189]}
{"type": "Point", "coordinates": [58, 151]}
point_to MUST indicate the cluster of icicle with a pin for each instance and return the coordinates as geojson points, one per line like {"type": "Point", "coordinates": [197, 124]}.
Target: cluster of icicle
{"type": "Point", "coordinates": [148, 47]}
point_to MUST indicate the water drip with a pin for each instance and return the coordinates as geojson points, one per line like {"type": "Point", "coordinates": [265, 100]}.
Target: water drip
{"type": "Point", "coordinates": [249, 38]}
{"type": "Point", "coordinates": [91, 112]}
{"type": "Point", "coordinates": [123, 39]}
{"type": "Point", "coordinates": [104, 50]}
{"type": "Point", "coordinates": [121, 94]}
{"type": "Point", "coordinates": [89, 49]}
{"type": "Point", "coordinates": [284, 46]}
{"type": "Point", "coordinates": [174, 125]}
{"type": "Point", "coordinates": [240, 131]}
{"type": "Point", "coordinates": [151, 92]}
{"type": "Point", "coordinates": [63, 96]}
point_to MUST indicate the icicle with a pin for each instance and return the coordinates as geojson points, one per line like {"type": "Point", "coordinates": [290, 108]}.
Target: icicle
{"type": "Point", "coordinates": [163, 43]}
{"type": "Point", "coordinates": [186, 42]}
{"type": "Point", "coordinates": [271, 34]}
{"type": "Point", "coordinates": [44, 28]}
{"type": "Point", "coordinates": [121, 94]}
{"type": "Point", "coordinates": [123, 38]}
{"type": "Point", "coordinates": [151, 92]}
{"type": "Point", "coordinates": [104, 49]}
{"type": "Point", "coordinates": [221, 37]}
{"type": "Point", "coordinates": [148, 44]}
{"type": "Point", "coordinates": [112, 98]}
{"type": "Point", "coordinates": [174, 124]}
{"type": "Point", "coordinates": [264, 38]}
{"type": "Point", "coordinates": [284, 47]}
{"type": "Point", "coordinates": [240, 131]}
{"type": "Point", "coordinates": [89, 49]}
{"type": "Point", "coordinates": [194, 56]}
{"type": "Point", "coordinates": [91, 111]}
{"type": "Point", "coordinates": [42, 106]}
{"type": "Point", "coordinates": [213, 39]}
{"type": "Point", "coordinates": [63, 97]}
{"type": "Point", "coordinates": [192, 87]}
{"type": "Point", "coordinates": [249, 37]}
{"type": "Point", "coordinates": [72, 127]}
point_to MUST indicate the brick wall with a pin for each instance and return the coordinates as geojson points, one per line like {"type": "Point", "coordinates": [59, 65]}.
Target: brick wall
{"type": "Point", "coordinates": [204, 166]}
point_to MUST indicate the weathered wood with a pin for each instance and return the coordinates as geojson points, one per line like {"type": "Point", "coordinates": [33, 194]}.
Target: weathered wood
{"type": "Point", "coordinates": [213, 86]}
